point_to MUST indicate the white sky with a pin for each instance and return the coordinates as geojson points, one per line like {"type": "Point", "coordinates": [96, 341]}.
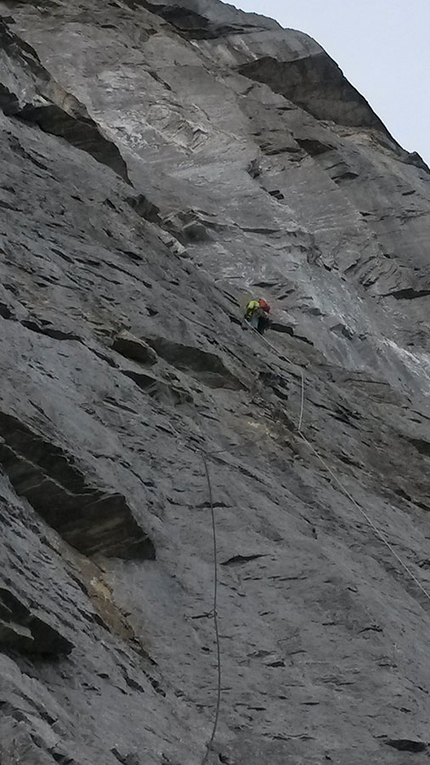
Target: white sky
{"type": "Point", "coordinates": [382, 47]}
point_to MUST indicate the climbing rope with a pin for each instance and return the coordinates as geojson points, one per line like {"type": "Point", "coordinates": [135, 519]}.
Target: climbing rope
{"type": "Point", "coordinates": [373, 526]}
{"type": "Point", "coordinates": [215, 611]}
{"type": "Point", "coordinates": [298, 434]}
{"type": "Point", "coordinates": [302, 375]}
{"type": "Point", "coordinates": [377, 531]}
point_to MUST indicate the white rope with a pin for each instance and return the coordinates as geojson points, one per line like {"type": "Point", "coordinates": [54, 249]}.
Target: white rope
{"type": "Point", "coordinates": [302, 375]}
{"type": "Point", "coordinates": [372, 525]}
{"type": "Point", "coordinates": [299, 434]}
{"type": "Point", "coordinates": [366, 516]}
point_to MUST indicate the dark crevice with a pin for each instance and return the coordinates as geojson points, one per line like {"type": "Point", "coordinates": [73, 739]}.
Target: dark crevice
{"type": "Point", "coordinates": [406, 745]}
{"type": "Point", "coordinates": [69, 121]}
{"type": "Point", "coordinates": [90, 519]}
{"type": "Point", "coordinates": [5, 311]}
{"type": "Point", "coordinates": [145, 209]}
{"type": "Point", "coordinates": [206, 367]}
{"type": "Point", "coordinates": [207, 505]}
{"type": "Point", "coordinates": [17, 49]}
{"type": "Point", "coordinates": [408, 293]}
{"type": "Point", "coordinates": [276, 326]}
{"type": "Point", "coordinates": [134, 348]}
{"type": "Point", "coordinates": [317, 84]}
{"type": "Point", "coordinates": [277, 194]}
{"type": "Point", "coordinates": [313, 146]}
{"type": "Point", "coordinates": [123, 758]}
{"type": "Point", "coordinates": [25, 632]}
{"type": "Point", "coordinates": [422, 446]}
{"type": "Point", "coordinates": [6, 206]}
{"type": "Point", "coordinates": [271, 151]}
{"type": "Point", "coordinates": [188, 23]}
{"type": "Point", "coordinates": [263, 231]}
{"type": "Point", "coordinates": [345, 175]}
{"type": "Point", "coordinates": [56, 334]}
{"type": "Point", "coordinates": [21, 152]}
{"type": "Point", "coordinates": [239, 559]}
{"type": "Point", "coordinates": [159, 390]}
{"type": "Point", "coordinates": [80, 132]}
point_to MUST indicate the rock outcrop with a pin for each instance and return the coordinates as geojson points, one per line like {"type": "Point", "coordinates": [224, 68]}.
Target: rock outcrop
{"type": "Point", "coordinates": [161, 163]}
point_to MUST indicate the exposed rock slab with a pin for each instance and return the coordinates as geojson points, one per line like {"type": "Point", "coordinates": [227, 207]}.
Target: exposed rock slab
{"type": "Point", "coordinates": [29, 92]}
{"type": "Point", "coordinates": [89, 519]}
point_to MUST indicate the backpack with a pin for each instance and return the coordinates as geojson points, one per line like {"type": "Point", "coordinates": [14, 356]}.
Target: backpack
{"type": "Point", "coordinates": [264, 305]}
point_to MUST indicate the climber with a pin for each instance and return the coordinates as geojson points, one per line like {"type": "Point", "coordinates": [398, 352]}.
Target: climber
{"type": "Point", "coordinates": [256, 313]}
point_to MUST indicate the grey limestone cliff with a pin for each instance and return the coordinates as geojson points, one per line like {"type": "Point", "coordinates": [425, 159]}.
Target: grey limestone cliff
{"type": "Point", "coordinates": [161, 163]}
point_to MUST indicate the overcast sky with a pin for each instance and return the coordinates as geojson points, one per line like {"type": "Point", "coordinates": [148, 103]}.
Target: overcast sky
{"type": "Point", "coordinates": [382, 47]}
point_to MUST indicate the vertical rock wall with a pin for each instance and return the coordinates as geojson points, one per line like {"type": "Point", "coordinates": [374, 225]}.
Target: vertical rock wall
{"type": "Point", "coordinates": [161, 163]}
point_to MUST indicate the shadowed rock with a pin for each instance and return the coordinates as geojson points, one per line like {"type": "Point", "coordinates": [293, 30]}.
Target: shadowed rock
{"type": "Point", "coordinates": [134, 348]}
{"type": "Point", "coordinates": [317, 84]}
{"type": "Point", "coordinates": [205, 366]}
{"type": "Point", "coordinates": [23, 630]}
{"type": "Point", "coordinates": [408, 293]}
{"type": "Point", "coordinates": [81, 132]}
{"type": "Point", "coordinates": [158, 389]}
{"type": "Point", "coordinates": [93, 521]}
{"type": "Point", "coordinates": [30, 93]}
{"type": "Point", "coordinates": [145, 208]}
{"type": "Point", "coordinates": [406, 745]}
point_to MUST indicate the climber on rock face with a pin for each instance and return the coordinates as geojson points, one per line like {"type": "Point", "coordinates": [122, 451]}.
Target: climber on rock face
{"type": "Point", "coordinates": [257, 314]}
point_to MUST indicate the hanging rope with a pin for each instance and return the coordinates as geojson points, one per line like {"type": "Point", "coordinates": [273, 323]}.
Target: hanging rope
{"type": "Point", "coordinates": [376, 530]}
{"type": "Point", "coordinates": [302, 375]}
{"type": "Point", "coordinates": [215, 611]}
{"type": "Point", "coordinates": [373, 526]}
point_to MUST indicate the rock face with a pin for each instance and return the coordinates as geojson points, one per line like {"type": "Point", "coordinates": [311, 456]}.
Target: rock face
{"type": "Point", "coordinates": [161, 163]}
